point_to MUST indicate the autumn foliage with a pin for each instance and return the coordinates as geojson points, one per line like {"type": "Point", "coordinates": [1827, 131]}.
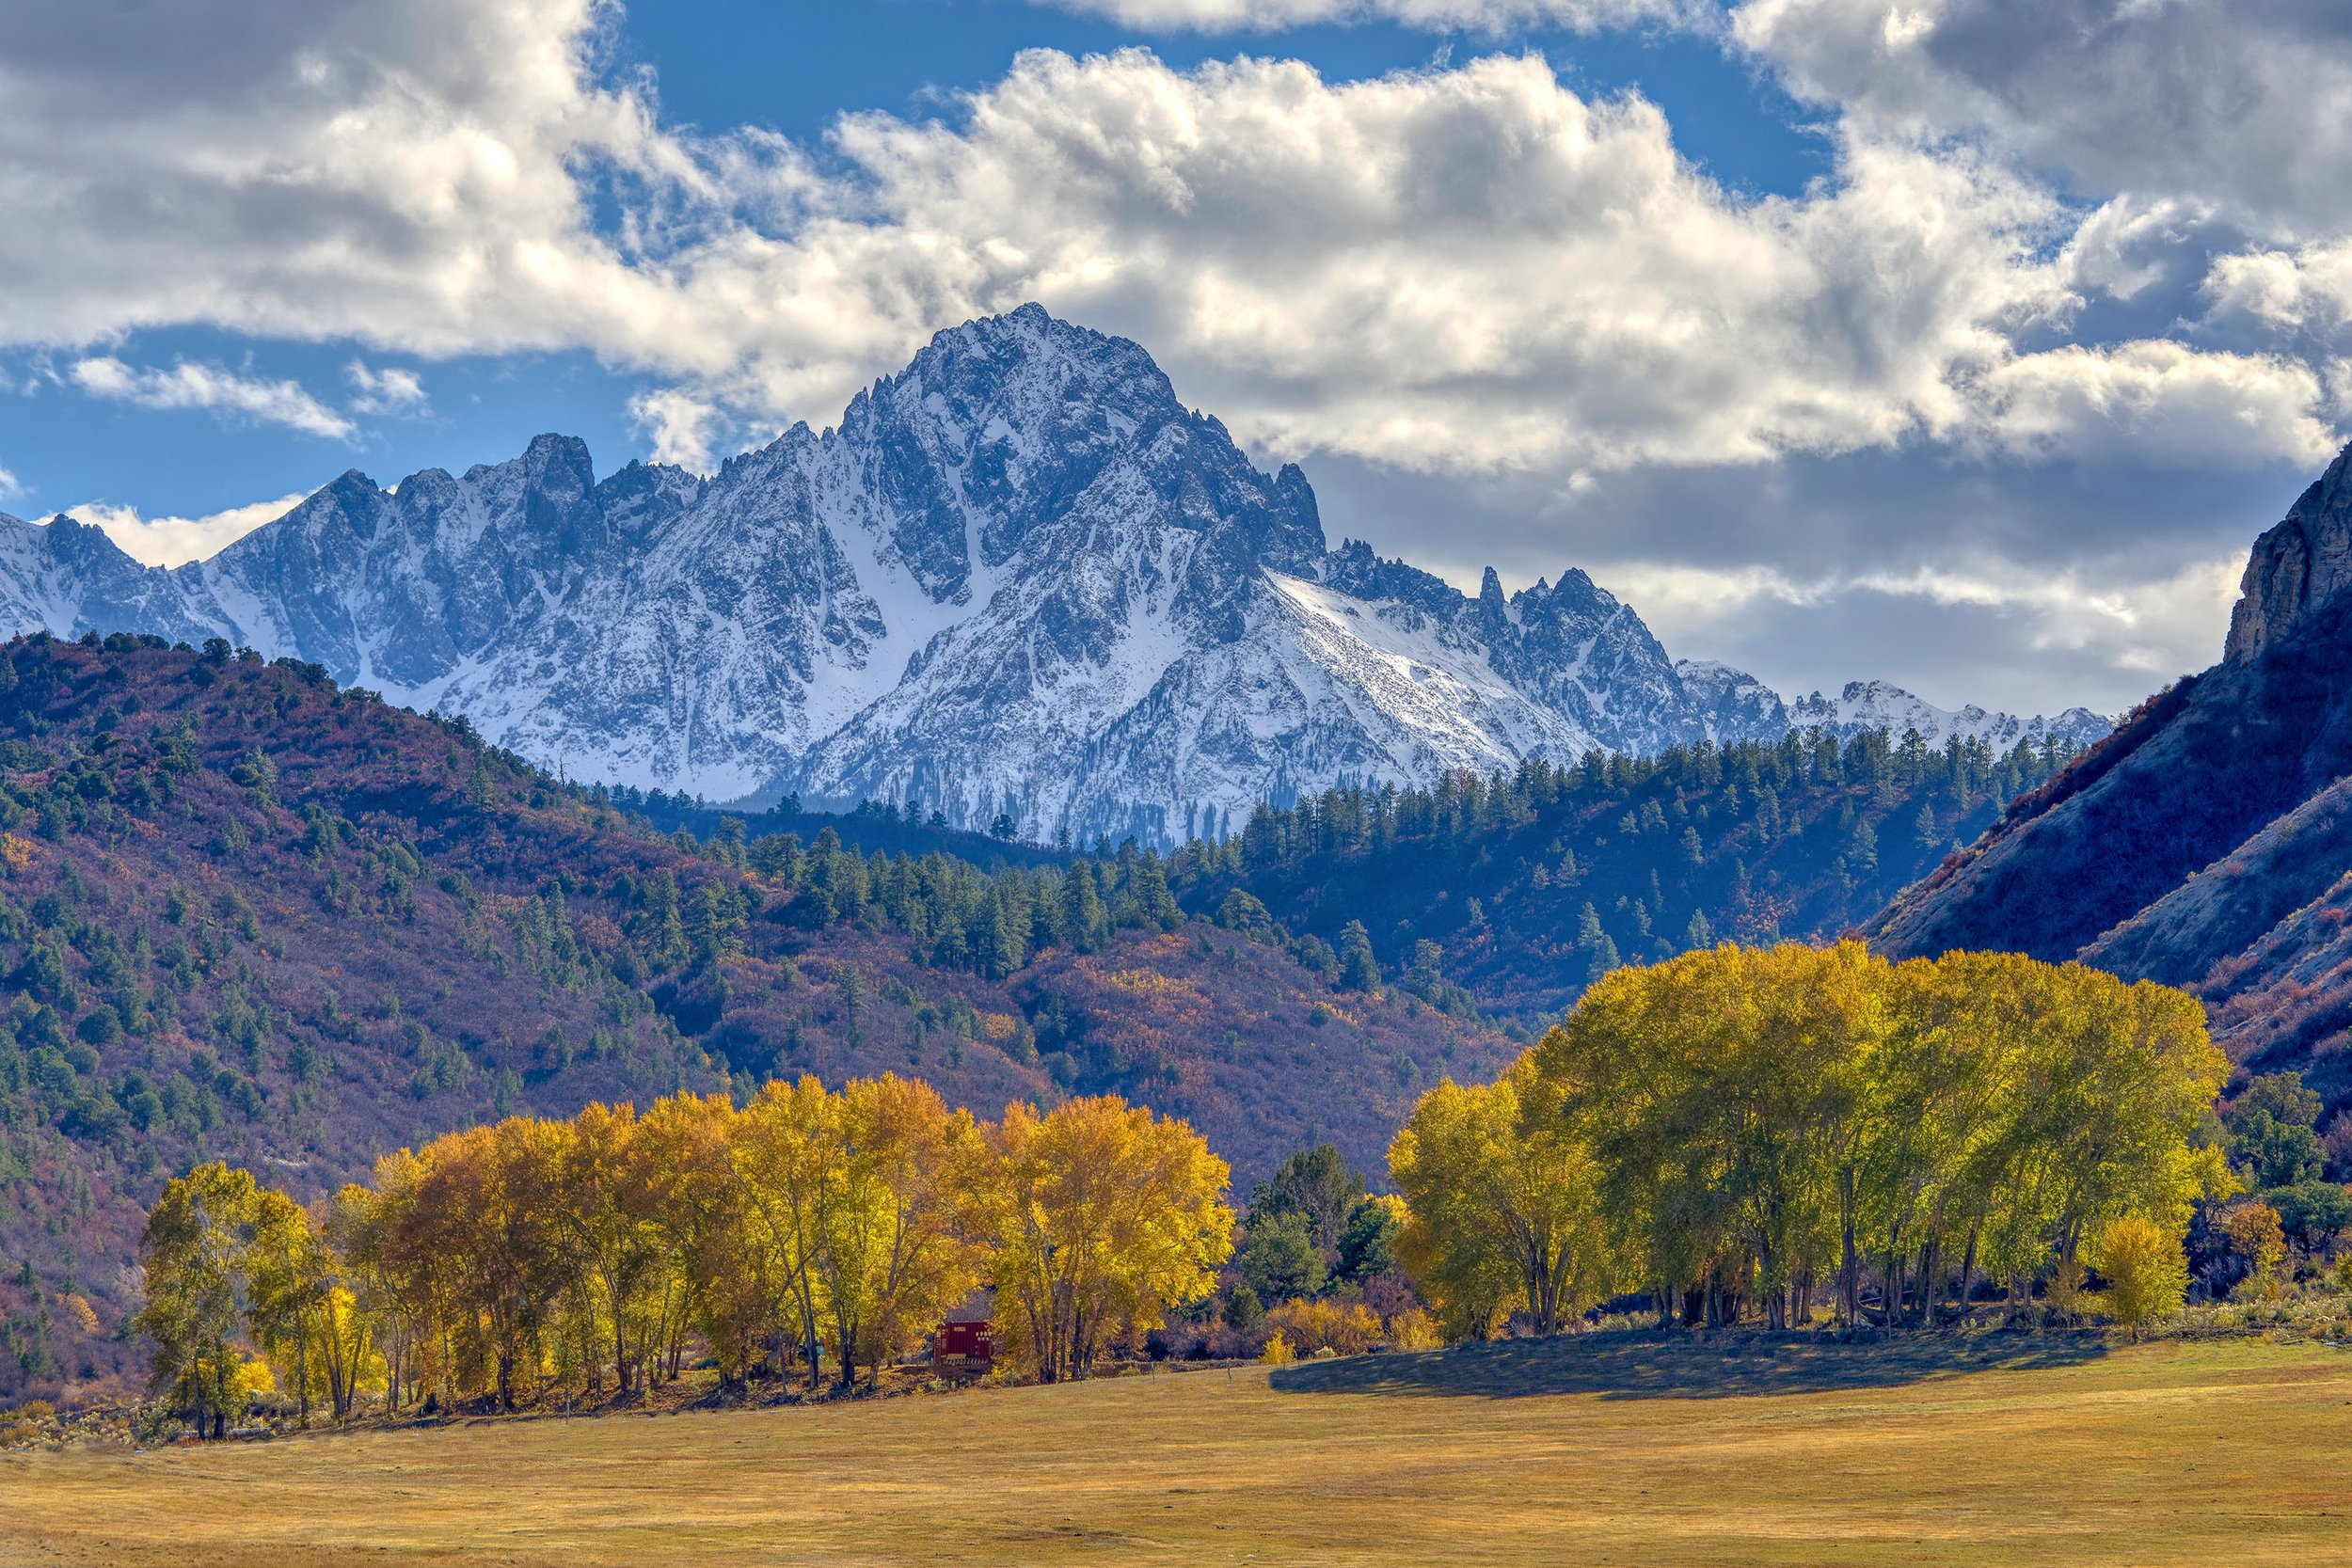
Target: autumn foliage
{"type": "Point", "coordinates": [1765, 1130]}
{"type": "Point", "coordinates": [810, 1228]}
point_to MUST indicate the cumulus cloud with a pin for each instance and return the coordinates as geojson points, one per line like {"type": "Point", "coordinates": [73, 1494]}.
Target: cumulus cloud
{"type": "Point", "coordinates": [189, 384]}
{"type": "Point", "coordinates": [2115, 404]}
{"type": "Point", "coordinates": [173, 541]}
{"type": "Point", "coordinates": [407, 175]}
{"type": "Point", "coordinates": [682, 426]}
{"type": "Point", "coordinates": [1471, 269]}
{"type": "Point", "coordinates": [2304, 291]}
{"type": "Point", "coordinates": [1955, 634]}
{"type": "Point", "coordinates": [1466, 269]}
{"type": "Point", "coordinates": [2243, 105]}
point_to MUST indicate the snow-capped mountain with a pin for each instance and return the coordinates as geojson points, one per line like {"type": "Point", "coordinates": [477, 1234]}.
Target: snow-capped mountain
{"type": "Point", "coordinates": [1877, 705]}
{"type": "Point", "coordinates": [1019, 578]}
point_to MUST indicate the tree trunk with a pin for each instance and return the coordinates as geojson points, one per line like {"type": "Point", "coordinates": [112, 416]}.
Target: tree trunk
{"type": "Point", "coordinates": [1850, 1267]}
{"type": "Point", "coordinates": [1968, 1272]}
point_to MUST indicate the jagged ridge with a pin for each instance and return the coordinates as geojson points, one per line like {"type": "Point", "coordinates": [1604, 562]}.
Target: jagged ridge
{"type": "Point", "coordinates": [1020, 578]}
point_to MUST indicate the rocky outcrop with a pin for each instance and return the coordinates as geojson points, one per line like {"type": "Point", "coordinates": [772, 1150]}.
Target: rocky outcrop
{"type": "Point", "coordinates": [2302, 562]}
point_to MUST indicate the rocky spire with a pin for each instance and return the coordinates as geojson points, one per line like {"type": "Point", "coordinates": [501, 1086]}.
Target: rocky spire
{"type": "Point", "coordinates": [2298, 565]}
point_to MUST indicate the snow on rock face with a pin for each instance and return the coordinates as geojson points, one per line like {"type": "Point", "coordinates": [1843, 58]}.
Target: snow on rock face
{"type": "Point", "coordinates": [65, 576]}
{"type": "Point", "coordinates": [1877, 705]}
{"type": "Point", "coordinates": [1735, 704]}
{"type": "Point", "coordinates": [1019, 579]}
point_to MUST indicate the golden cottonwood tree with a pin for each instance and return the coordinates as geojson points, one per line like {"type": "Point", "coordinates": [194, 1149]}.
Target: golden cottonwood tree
{"type": "Point", "coordinates": [1099, 1217]}
{"type": "Point", "coordinates": [1764, 1122]}
{"type": "Point", "coordinates": [782, 1152]}
{"type": "Point", "coordinates": [893, 1255]}
{"type": "Point", "coordinates": [512, 1259]}
{"type": "Point", "coordinates": [606, 1193]}
{"type": "Point", "coordinates": [1503, 1196]}
{"type": "Point", "coordinates": [719, 1262]}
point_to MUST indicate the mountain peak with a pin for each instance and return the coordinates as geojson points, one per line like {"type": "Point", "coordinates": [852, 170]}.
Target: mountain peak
{"type": "Point", "coordinates": [1020, 578]}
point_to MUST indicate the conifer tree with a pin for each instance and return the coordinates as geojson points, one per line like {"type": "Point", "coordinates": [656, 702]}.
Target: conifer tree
{"type": "Point", "coordinates": [1358, 970]}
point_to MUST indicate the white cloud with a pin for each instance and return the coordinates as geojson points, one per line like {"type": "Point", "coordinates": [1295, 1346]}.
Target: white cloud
{"type": "Point", "coordinates": [2197, 409]}
{"type": "Point", "coordinates": [407, 175]}
{"type": "Point", "coordinates": [2245, 107]}
{"type": "Point", "coordinates": [389, 391]}
{"type": "Point", "coordinates": [1228, 16]}
{"type": "Point", "coordinates": [1964, 631]}
{"type": "Point", "coordinates": [1468, 269]}
{"type": "Point", "coordinates": [172, 541]}
{"type": "Point", "coordinates": [9, 489]}
{"type": "Point", "coordinates": [1476, 269]}
{"type": "Point", "coordinates": [682, 426]}
{"type": "Point", "coordinates": [2301, 289]}
{"type": "Point", "coordinates": [188, 384]}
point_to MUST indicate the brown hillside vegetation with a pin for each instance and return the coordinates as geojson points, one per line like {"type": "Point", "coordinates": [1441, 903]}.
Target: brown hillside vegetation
{"type": "Point", "coordinates": [1598, 1448]}
{"type": "Point", "coordinates": [247, 917]}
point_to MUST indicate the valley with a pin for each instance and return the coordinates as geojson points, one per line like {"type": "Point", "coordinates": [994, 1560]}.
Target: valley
{"type": "Point", "coordinates": [1355, 783]}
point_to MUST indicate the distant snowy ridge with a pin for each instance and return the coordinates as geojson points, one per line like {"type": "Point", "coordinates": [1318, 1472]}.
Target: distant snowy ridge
{"type": "Point", "coordinates": [1877, 705]}
{"type": "Point", "coordinates": [1019, 579]}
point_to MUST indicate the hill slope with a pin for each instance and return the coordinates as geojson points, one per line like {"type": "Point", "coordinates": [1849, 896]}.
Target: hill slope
{"type": "Point", "coordinates": [245, 914]}
{"type": "Point", "coordinates": [1516, 889]}
{"type": "Point", "coordinates": [2205, 843]}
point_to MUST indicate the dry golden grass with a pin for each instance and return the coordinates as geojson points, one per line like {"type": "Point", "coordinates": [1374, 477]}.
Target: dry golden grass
{"type": "Point", "coordinates": [1588, 1452]}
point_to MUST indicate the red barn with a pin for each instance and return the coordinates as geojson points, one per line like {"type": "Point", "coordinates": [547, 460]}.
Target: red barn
{"type": "Point", "coordinates": [966, 1342]}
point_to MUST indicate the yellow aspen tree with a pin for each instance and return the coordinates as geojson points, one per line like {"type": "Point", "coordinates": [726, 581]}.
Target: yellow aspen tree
{"type": "Point", "coordinates": [784, 1153]}
{"type": "Point", "coordinates": [1502, 1192]}
{"type": "Point", "coordinates": [1100, 1217]}
{"type": "Point", "coordinates": [895, 1254]}
{"type": "Point", "coordinates": [606, 1209]}
{"type": "Point", "coordinates": [289, 1277]}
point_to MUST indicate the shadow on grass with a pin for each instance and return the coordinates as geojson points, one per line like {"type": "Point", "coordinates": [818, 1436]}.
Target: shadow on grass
{"type": "Point", "coordinates": [1647, 1365]}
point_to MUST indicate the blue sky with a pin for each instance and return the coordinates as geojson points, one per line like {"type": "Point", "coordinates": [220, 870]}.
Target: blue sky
{"type": "Point", "coordinates": [1958, 343]}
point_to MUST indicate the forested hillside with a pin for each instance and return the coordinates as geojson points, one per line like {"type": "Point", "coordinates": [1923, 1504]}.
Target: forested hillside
{"type": "Point", "coordinates": [246, 915]}
{"type": "Point", "coordinates": [1520, 889]}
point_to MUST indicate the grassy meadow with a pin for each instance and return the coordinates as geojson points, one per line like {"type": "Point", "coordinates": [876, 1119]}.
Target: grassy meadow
{"type": "Point", "coordinates": [1596, 1449]}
